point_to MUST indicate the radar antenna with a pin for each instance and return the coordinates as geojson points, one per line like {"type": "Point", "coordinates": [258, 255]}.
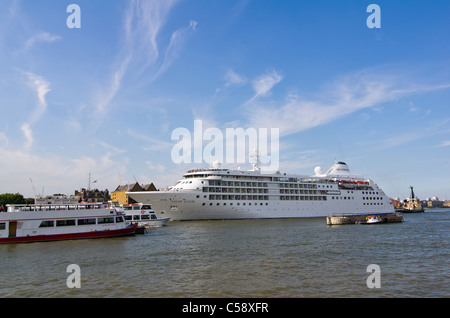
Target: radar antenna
{"type": "Point", "coordinates": [255, 164]}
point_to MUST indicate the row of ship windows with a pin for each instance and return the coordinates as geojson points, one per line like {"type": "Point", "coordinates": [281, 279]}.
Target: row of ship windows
{"type": "Point", "coordinates": [237, 183]}
{"type": "Point", "coordinates": [353, 198]}
{"type": "Point", "coordinates": [235, 190]}
{"type": "Point", "coordinates": [262, 184]}
{"type": "Point", "coordinates": [299, 191]}
{"type": "Point", "coordinates": [304, 198]}
{"type": "Point", "coordinates": [255, 203]}
{"type": "Point", "coordinates": [231, 204]}
{"type": "Point", "coordinates": [238, 197]}
{"type": "Point", "coordinates": [249, 190]}
{"type": "Point", "coordinates": [266, 197]}
{"type": "Point", "coordinates": [92, 221]}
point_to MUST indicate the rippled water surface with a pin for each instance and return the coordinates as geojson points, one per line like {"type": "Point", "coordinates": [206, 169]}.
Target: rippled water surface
{"type": "Point", "coordinates": [248, 258]}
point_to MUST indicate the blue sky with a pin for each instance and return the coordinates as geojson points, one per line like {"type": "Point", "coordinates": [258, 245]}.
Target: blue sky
{"type": "Point", "coordinates": [105, 98]}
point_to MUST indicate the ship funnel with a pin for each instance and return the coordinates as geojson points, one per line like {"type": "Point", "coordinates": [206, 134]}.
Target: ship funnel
{"type": "Point", "coordinates": [339, 169]}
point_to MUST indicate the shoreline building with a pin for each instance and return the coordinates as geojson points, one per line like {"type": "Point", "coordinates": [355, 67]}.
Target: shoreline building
{"type": "Point", "coordinates": [120, 196]}
{"type": "Point", "coordinates": [57, 199]}
{"type": "Point", "coordinates": [93, 195]}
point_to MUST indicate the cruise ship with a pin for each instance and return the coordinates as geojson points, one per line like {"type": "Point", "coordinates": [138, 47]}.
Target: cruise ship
{"type": "Point", "coordinates": [220, 194]}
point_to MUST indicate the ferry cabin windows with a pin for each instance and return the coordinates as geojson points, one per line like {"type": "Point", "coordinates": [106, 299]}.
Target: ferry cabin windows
{"type": "Point", "coordinates": [79, 222]}
{"type": "Point", "coordinates": [86, 221]}
{"type": "Point", "coordinates": [105, 220]}
{"type": "Point", "coordinates": [140, 217]}
{"type": "Point", "coordinates": [137, 207]}
{"type": "Point", "coordinates": [65, 222]}
{"type": "Point", "coordinates": [149, 217]}
{"type": "Point", "coordinates": [47, 224]}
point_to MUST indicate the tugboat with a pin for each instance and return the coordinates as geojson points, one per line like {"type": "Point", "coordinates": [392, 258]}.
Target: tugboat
{"type": "Point", "coordinates": [412, 205]}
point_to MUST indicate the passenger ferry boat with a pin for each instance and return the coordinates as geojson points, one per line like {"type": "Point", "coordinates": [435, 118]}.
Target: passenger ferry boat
{"type": "Point", "coordinates": [143, 215]}
{"type": "Point", "coordinates": [208, 194]}
{"type": "Point", "coordinates": [50, 222]}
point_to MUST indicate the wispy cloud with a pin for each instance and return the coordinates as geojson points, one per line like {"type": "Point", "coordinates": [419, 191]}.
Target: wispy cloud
{"type": "Point", "coordinates": [111, 149]}
{"type": "Point", "coordinates": [105, 97]}
{"type": "Point", "coordinates": [345, 95]}
{"type": "Point", "coordinates": [177, 41]}
{"type": "Point", "coordinates": [263, 84]}
{"type": "Point", "coordinates": [155, 166]}
{"type": "Point", "coordinates": [42, 37]}
{"type": "Point", "coordinates": [41, 87]}
{"type": "Point", "coordinates": [142, 23]}
{"type": "Point", "coordinates": [153, 144]}
{"type": "Point", "coordinates": [444, 144]}
{"type": "Point", "coordinates": [29, 139]}
{"type": "Point", "coordinates": [9, 11]}
{"type": "Point", "coordinates": [3, 139]}
{"type": "Point", "coordinates": [141, 57]}
{"type": "Point", "coordinates": [234, 79]}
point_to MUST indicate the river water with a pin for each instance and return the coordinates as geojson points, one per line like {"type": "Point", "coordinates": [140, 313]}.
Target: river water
{"type": "Point", "coordinates": [242, 258]}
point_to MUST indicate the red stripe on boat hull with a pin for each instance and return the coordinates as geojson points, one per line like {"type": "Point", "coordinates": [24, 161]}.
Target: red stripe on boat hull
{"type": "Point", "coordinates": [70, 236]}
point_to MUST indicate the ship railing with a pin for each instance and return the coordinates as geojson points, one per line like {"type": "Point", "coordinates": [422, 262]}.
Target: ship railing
{"type": "Point", "coordinates": [53, 207]}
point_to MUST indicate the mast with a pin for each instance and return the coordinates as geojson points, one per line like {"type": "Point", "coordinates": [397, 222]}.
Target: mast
{"type": "Point", "coordinates": [255, 155]}
{"type": "Point", "coordinates": [412, 193]}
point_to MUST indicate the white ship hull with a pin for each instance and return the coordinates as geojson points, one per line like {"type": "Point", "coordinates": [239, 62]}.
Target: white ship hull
{"type": "Point", "coordinates": [185, 206]}
{"type": "Point", "coordinates": [217, 194]}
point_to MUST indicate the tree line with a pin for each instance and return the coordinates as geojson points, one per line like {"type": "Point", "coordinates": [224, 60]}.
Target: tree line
{"type": "Point", "coordinates": [13, 198]}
